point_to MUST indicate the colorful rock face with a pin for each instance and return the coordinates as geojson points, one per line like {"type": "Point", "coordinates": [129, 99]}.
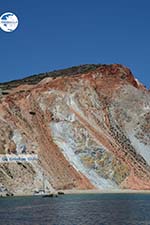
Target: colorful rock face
{"type": "Point", "coordinates": [89, 125]}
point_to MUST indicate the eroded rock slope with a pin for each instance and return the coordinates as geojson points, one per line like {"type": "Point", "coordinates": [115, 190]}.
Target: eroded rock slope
{"type": "Point", "coordinates": [89, 125]}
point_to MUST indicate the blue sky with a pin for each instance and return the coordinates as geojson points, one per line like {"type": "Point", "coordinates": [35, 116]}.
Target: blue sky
{"type": "Point", "coordinates": [56, 34]}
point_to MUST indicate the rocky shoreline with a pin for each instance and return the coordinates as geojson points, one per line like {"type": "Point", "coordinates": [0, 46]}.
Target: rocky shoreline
{"type": "Point", "coordinates": [125, 191]}
{"type": "Point", "coordinates": [6, 193]}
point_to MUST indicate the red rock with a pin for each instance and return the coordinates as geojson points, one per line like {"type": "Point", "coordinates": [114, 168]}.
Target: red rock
{"type": "Point", "coordinates": [87, 128]}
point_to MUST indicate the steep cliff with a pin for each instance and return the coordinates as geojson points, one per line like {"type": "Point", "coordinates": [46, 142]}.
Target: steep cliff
{"type": "Point", "coordinates": [89, 125]}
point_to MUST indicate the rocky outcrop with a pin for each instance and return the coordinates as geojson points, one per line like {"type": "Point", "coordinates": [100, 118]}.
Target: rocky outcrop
{"type": "Point", "coordinates": [89, 126]}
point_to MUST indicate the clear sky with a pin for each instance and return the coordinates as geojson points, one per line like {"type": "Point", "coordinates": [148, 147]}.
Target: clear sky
{"type": "Point", "coordinates": [55, 34]}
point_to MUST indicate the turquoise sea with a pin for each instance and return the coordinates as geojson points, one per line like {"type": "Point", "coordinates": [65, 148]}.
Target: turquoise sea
{"type": "Point", "coordinates": [79, 209]}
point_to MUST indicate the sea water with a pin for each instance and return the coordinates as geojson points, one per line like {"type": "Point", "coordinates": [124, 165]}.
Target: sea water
{"type": "Point", "coordinates": [77, 209]}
